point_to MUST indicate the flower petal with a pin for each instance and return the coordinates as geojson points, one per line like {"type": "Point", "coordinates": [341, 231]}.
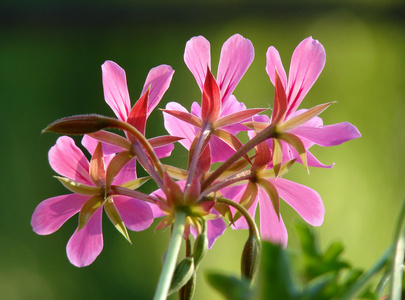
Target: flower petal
{"type": "Point", "coordinates": [329, 135]}
{"type": "Point", "coordinates": [197, 57]}
{"type": "Point", "coordinates": [215, 228]}
{"type": "Point", "coordinates": [307, 63]}
{"type": "Point", "coordinates": [237, 54]}
{"type": "Point", "coordinates": [304, 200]}
{"type": "Point", "coordinates": [178, 127]}
{"type": "Point", "coordinates": [116, 90]}
{"type": "Point", "coordinates": [158, 80]}
{"type": "Point", "coordinates": [272, 227]}
{"type": "Point", "coordinates": [69, 161]}
{"type": "Point", "coordinates": [52, 213]}
{"type": "Point", "coordinates": [86, 244]}
{"type": "Point", "coordinates": [136, 214]}
{"type": "Point", "coordinates": [274, 63]}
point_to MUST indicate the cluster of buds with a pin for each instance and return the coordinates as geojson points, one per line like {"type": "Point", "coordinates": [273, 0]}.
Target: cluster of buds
{"type": "Point", "coordinates": [211, 199]}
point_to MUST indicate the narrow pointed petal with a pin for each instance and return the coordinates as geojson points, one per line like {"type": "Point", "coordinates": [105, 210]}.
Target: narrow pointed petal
{"type": "Point", "coordinates": [330, 135]}
{"type": "Point", "coordinates": [306, 65]}
{"type": "Point", "coordinates": [257, 126]}
{"type": "Point", "coordinates": [297, 144]}
{"type": "Point", "coordinates": [197, 57]}
{"type": "Point", "coordinates": [115, 218]}
{"type": "Point", "coordinates": [116, 90]}
{"type": "Point", "coordinates": [304, 200]}
{"type": "Point", "coordinates": [280, 102]}
{"type": "Point", "coordinates": [304, 117]}
{"type": "Point", "coordinates": [88, 209]}
{"type": "Point", "coordinates": [271, 191]}
{"type": "Point", "coordinates": [137, 116]}
{"type": "Point", "coordinates": [163, 145]}
{"type": "Point", "coordinates": [68, 160]}
{"type": "Point", "coordinates": [211, 99]}
{"type": "Point", "coordinates": [184, 116]}
{"type": "Point", "coordinates": [237, 54]}
{"type": "Point", "coordinates": [272, 227]}
{"type": "Point", "coordinates": [277, 156]}
{"type": "Point", "coordinates": [87, 243]}
{"type": "Point", "coordinates": [178, 127]}
{"type": "Point", "coordinates": [274, 63]}
{"type": "Point", "coordinates": [52, 213]}
{"type": "Point", "coordinates": [113, 142]}
{"type": "Point", "coordinates": [158, 81]}
{"type": "Point", "coordinates": [97, 166]}
{"type": "Point", "coordinates": [237, 117]}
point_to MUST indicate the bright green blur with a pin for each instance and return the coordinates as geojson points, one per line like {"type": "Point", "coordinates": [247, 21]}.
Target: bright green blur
{"type": "Point", "coordinates": [50, 58]}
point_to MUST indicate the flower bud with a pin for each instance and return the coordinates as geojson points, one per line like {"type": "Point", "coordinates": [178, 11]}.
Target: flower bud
{"type": "Point", "coordinates": [250, 257]}
{"type": "Point", "coordinates": [79, 124]}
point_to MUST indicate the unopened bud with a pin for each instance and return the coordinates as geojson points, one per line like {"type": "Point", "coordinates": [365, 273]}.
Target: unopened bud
{"type": "Point", "coordinates": [250, 258]}
{"type": "Point", "coordinates": [79, 124]}
{"type": "Point", "coordinates": [200, 248]}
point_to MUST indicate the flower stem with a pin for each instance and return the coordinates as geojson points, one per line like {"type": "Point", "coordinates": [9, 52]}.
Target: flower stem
{"type": "Point", "coordinates": [171, 256]}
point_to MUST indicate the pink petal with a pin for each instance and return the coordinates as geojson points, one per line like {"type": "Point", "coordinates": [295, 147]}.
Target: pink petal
{"type": "Point", "coordinates": [215, 228]}
{"type": "Point", "coordinates": [304, 200]}
{"type": "Point", "coordinates": [91, 143]}
{"type": "Point", "coordinates": [127, 173]}
{"type": "Point", "coordinates": [237, 54]}
{"type": "Point", "coordinates": [197, 57]}
{"type": "Point", "coordinates": [330, 135]}
{"type": "Point", "coordinates": [220, 151]}
{"type": "Point", "coordinates": [136, 214]}
{"type": "Point", "coordinates": [158, 80]}
{"type": "Point", "coordinates": [307, 63]}
{"type": "Point", "coordinates": [233, 106]}
{"type": "Point", "coordinates": [116, 90]}
{"type": "Point", "coordinates": [273, 63]}
{"type": "Point", "coordinates": [69, 161]}
{"type": "Point", "coordinates": [164, 151]}
{"type": "Point", "coordinates": [271, 227]}
{"type": "Point", "coordinates": [86, 244]}
{"type": "Point", "coordinates": [177, 127]}
{"type": "Point", "coordinates": [52, 213]}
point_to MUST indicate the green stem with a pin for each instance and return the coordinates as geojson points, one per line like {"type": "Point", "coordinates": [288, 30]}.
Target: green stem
{"type": "Point", "coordinates": [397, 268]}
{"type": "Point", "coordinates": [169, 265]}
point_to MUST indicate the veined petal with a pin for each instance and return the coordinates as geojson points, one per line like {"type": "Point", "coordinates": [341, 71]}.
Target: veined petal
{"type": "Point", "coordinates": [178, 127]}
{"type": "Point", "coordinates": [274, 63]}
{"type": "Point", "coordinates": [307, 63]}
{"type": "Point", "coordinates": [86, 244]}
{"type": "Point", "coordinates": [69, 161]}
{"type": "Point", "coordinates": [52, 213]}
{"type": "Point", "coordinates": [158, 80]}
{"type": "Point", "coordinates": [329, 135]}
{"type": "Point", "coordinates": [237, 54]}
{"type": "Point", "coordinates": [115, 89]}
{"type": "Point", "coordinates": [138, 114]}
{"type": "Point", "coordinates": [197, 57]}
{"type": "Point", "coordinates": [272, 227]}
{"type": "Point", "coordinates": [304, 200]}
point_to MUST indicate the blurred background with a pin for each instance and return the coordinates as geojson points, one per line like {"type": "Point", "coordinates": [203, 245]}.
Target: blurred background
{"type": "Point", "coordinates": [50, 58]}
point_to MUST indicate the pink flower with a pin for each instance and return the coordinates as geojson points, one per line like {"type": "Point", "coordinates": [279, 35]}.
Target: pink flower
{"type": "Point", "coordinates": [300, 129]}
{"type": "Point", "coordinates": [236, 56]}
{"type": "Point", "coordinates": [117, 97]}
{"type": "Point", "coordinates": [93, 186]}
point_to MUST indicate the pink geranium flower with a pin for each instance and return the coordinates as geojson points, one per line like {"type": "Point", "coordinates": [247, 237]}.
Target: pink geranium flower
{"type": "Point", "coordinates": [300, 129]}
{"type": "Point", "coordinates": [93, 186]}
{"type": "Point", "coordinates": [236, 56]}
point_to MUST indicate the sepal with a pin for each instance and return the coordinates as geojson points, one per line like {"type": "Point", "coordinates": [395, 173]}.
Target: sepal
{"type": "Point", "coordinates": [79, 188]}
{"type": "Point", "coordinates": [115, 218]}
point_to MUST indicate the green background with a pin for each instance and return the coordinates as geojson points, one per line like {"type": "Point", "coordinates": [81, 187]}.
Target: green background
{"type": "Point", "coordinates": [50, 58]}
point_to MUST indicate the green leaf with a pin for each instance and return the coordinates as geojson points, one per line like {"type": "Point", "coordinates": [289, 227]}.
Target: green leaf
{"type": "Point", "coordinates": [182, 274]}
{"type": "Point", "coordinates": [275, 281]}
{"type": "Point", "coordinates": [230, 287]}
{"type": "Point", "coordinates": [315, 288]}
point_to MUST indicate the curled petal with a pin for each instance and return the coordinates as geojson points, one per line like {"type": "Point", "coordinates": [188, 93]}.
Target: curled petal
{"type": "Point", "coordinates": [329, 135]}
{"type": "Point", "coordinates": [52, 213]}
{"type": "Point", "coordinates": [197, 57]}
{"type": "Point", "coordinates": [237, 54]}
{"type": "Point", "coordinates": [115, 89]}
{"type": "Point", "coordinates": [68, 160]}
{"type": "Point", "coordinates": [86, 244]}
{"type": "Point", "coordinates": [158, 80]}
{"type": "Point", "coordinates": [304, 200]}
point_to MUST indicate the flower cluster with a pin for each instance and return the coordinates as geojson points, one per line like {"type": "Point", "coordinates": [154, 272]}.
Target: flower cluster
{"type": "Point", "coordinates": [246, 174]}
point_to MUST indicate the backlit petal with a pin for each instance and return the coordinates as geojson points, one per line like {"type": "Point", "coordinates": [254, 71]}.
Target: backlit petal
{"type": "Point", "coordinates": [136, 214]}
{"type": "Point", "coordinates": [197, 57]}
{"type": "Point", "coordinates": [274, 62]}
